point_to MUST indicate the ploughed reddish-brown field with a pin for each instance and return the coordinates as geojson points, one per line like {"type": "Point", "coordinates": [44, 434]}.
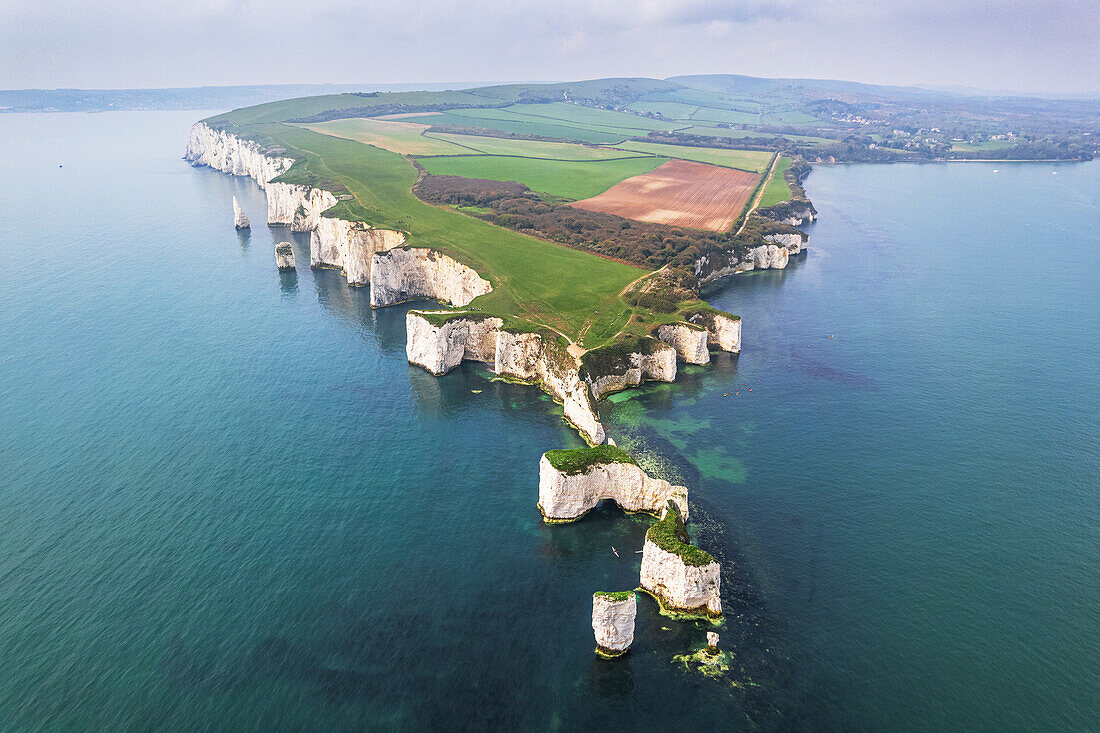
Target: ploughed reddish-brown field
{"type": "Point", "coordinates": [681, 193]}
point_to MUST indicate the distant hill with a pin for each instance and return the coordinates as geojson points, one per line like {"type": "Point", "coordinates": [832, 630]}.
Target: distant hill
{"type": "Point", "coordinates": [230, 97]}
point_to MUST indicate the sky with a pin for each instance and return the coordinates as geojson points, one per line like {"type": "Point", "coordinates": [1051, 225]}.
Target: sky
{"type": "Point", "coordinates": [1017, 45]}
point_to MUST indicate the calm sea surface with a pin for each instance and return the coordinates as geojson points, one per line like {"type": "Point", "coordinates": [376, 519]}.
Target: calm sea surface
{"type": "Point", "coordinates": [228, 503]}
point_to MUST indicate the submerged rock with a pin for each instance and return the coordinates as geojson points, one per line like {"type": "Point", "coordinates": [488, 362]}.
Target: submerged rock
{"type": "Point", "coordinates": [573, 482]}
{"type": "Point", "coordinates": [613, 617]}
{"type": "Point", "coordinates": [284, 256]}
{"type": "Point", "coordinates": [240, 219]}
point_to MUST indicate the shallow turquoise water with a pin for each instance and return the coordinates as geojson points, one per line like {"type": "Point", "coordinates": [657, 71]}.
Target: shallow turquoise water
{"type": "Point", "coordinates": [229, 503]}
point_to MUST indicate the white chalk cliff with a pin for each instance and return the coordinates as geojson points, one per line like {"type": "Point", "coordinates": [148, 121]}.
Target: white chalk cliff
{"type": "Point", "coordinates": [440, 347]}
{"type": "Point", "coordinates": [298, 207]}
{"type": "Point", "coordinates": [240, 219]}
{"type": "Point", "coordinates": [230, 154]}
{"type": "Point", "coordinates": [793, 243]}
{"type": "Point", "coordinates": [680, 586]}
{"type": "Point", "coordinates": [422, 274]}
{"type": "Point", "coordinates": [565, 497]}
{"type": "Point", "coordinates": [349, 246]}
{"type": "Point", "coordinates": [690, 341]}
{"type": "Point", "coordinates": [660, 366]}
{"type": "Point", "coordinates": [723, 331]}
{"type": "Point", "coordinates": [613, 623]}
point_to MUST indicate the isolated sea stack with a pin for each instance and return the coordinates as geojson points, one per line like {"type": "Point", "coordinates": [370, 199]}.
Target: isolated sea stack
{"type": "Point", "coordinates": [284, 256]}
{"type": "Point", "coordinates": [613, 621]}
{"type": "Point", "coordinates": [240, 219]}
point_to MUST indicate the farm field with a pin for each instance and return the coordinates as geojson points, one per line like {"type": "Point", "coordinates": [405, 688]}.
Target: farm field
{"type": "Point", "coordinates": [726, 132]}
{"type": "Point", "coordinates": [514, 124]}
{"type": "Point", "coordinates": [570, 180]}
{"type": "Point", "coordinates": [591, 117]}
{"type": "Point", "coordinates": [680, 193]}
{"type": "Point", "coordinates": [668, 110]}
{"type": "Point", "coordinates": [747, 160]}
{"type": "Point", "coordinates": [533, 148]}
{"type": "Point", "coordinates": [396, 136]}
{"type": "Point", "coordinates": [545, 283]}
{"type": "Point", "coordinates": [709, 114]}
{"type": "Point", "coordinates": [777, 189]}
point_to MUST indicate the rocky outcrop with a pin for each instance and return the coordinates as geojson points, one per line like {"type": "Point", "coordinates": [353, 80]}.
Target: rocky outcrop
{"type": "Point", "coordinates": [769, 257]}
{"type": "Point", "coordinates": [793, 243]}
{"type": "Point", "coordinates": [565, 497]}
{"type": "Point", "coordinates": [231, 154]}
{"type": "Point", "coordinates": [240, 219]}
{"type": "Point", "coordinates": [709, 268]}
{"type": "Point", "coordinates": [422, 274]}
{"type": "Point", "coordinates": [613, 617]}
{"type": "Point", "coordinates": [298, 207]}
{"type": "Point", "coordinates": [626, 364]}
{"type": "Point", "coordinates": [795, 212]}
{"type": "Point", "coordinates": [349, 246]}
{"type": "Point", "coordinates": [689, 340]}
{"type": "Point", "coordinates": [712, 641]}
{"type": "Point", "coordinates": [681, 576]}
{"type": "Point", "coordinates": [284, 256]}
{"type": "Point", "coordinates": [441, 341]}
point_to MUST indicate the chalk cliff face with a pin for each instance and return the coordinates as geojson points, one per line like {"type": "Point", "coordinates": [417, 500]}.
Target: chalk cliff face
{"type": "Point", "coordinates": [564, 497]}
{"type": "Point", "coordinates": [349, 246]}
{"type": "Point", "coordinates": [440, 347]}
{"type": "Point", "coordinates": [766, 256]}
{"type": "Point", "coordinates": [659, 366]}
{"type": "Point", "coordinates": [298, 207]}
{"type": "Point", "coordinates": [613, 623]}
{"type": "Point", "coordinates": [422, 274]}
{"type": "Point", "coordinates": [240, 219]}
{"type": "Point", "coordinates": [769, 257]}
{"type": "Point", "coordinates": [793, 243]}
{"type": "Point", "coordinates": [722, 331]}
{"type": "Point", "coordinates": [680, 586]}
{"type": "Point", "coordinates": [230, 154]}
{"type": "Point", "coordinates": [690, 342]}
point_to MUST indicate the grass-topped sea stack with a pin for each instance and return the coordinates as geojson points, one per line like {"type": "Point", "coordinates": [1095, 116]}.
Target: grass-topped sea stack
{"type": "Point", "coordinates": [682, 577]}
{"type": "Point", "coordinates": [573, 482]}
{"type": "Point", "coordinates": [613, 615]}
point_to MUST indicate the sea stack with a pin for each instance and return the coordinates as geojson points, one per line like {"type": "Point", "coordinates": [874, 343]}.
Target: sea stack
{"type": "Point", "coordinates": [682, 577]}
{"type": "Point", "coordinates": [613, 621]}
{"type": "Point", "coordinates": [284, 256]}
{"type": "Point", "coordinates": [240, 219]}
{"type": "Point", "coordinates": [572, 482]}
{"type": "Point", "coordinates": [712, 642]}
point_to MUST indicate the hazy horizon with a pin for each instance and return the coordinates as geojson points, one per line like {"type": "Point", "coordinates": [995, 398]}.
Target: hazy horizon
{"type": "Point", "coordinates": [1014, 46]}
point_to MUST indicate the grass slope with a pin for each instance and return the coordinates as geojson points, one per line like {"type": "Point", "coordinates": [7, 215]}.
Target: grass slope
{"type": "Point", "coordinates": [754, 161]}
{"type": "Point", "coordinates": [571, 180]}
{"type": "Point", "coordinates": [777, 189]}
{"type": "Point", "coordinates": [544, 282]}
{"type": "Point", "coordinates": [521, 126]}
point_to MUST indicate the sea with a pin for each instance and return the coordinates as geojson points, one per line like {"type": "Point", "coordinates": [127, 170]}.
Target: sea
{"type": "Point", "coordinates": [228, 503]}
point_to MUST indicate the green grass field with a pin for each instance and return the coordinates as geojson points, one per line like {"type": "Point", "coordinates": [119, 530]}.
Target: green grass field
{"type": "Point", "coordinates": [709, 114]}
{"type": "Point", "coordinates": [521, 126]}
{"type": "Point", "coordinates": [590, 117]}
{"type": "Point", "coordinates": [668, 110]}
{"type": "Point", "coordinates": [543, 282]}
{"type": "Point", "coordinates": [725, 132]}
{"type": "Point", "coordinates": [531, 148]}
{"type": "Point", "coordinates": [573, 180]}
{"type": "Point", "coordinates": [777, 189]}
{"type": "Point", "coordinates": [755, 161]}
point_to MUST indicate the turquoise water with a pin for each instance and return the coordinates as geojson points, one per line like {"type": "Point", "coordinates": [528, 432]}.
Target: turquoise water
{"type": "Point", "coordinates": [228, 503]}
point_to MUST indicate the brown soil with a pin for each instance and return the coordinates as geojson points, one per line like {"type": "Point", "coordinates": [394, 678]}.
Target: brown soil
{"type": "Point", "coordinates": [680, 193]}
